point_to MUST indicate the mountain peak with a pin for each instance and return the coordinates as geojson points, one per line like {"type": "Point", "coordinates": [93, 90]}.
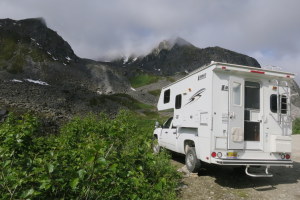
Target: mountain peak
{"type": "Point", "coordinates": [181, 42]}
{"type": "Point", "coordinates": [169, 44]}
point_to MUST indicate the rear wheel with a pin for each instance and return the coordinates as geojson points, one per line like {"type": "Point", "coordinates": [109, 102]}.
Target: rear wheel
{"type": "Point", "coordinates": [192, 162]}
{"type": "Point", "coordinates": [155, 146]}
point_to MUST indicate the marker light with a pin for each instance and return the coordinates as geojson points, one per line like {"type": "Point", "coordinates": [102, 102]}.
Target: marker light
{"type": "Point", "coordinates": [256, 71]}
{"type": "Point", "coordinates": [213, 154]}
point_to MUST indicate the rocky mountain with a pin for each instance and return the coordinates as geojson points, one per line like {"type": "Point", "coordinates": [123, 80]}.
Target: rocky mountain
{"type": "Point", "coordinates": [177, 56]}
{"type": "Point", "coordinates": [30, 50]}
{"type": "Point", "coordinates": [39, 71]}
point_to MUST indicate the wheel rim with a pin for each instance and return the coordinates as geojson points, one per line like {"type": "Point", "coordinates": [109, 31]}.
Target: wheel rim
{"type": "Point", "coordinates": [190, 160]}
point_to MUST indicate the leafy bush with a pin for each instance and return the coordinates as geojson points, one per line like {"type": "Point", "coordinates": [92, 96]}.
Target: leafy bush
{"type": "Point", "coordinates": [296, 126]}
{"type": "Point", "coordinates": [92, 158]}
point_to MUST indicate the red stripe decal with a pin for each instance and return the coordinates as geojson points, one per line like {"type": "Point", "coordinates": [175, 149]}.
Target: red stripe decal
{"type": "Point", "coordinates": [258, 72]}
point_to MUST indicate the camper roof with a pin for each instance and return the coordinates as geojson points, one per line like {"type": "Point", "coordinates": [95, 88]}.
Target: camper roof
{"type": "Point", "coordinates": [219, 66]}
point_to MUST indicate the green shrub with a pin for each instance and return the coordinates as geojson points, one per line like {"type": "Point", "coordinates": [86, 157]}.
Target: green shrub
{"type": "Point", "coordinates": [296, 126]}
{"type": "Point", "coordinates": [92, 158]}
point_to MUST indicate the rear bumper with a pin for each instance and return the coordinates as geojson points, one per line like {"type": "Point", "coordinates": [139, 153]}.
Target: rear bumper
{"type": "Point", "coordinates": [252, 162]}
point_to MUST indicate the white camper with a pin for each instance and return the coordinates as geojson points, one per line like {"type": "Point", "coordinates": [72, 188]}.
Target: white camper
{"type": "Point", "coordinates": [229, 114]}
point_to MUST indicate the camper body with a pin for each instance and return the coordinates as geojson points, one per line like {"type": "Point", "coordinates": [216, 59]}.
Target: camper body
{"type": "Point", "coordinates": [229, 114]}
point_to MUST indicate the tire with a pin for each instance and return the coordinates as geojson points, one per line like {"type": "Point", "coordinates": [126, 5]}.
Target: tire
{"type": "Point", "coordinates": [155, 146]}
{"type": "Point", "coordinates": [191, 161]}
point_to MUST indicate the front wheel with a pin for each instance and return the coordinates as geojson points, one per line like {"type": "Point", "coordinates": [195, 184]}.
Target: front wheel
{"type": "Point", "coordinates": [192, 162]}
{"type": "Point", "coordinates": [155, 146]}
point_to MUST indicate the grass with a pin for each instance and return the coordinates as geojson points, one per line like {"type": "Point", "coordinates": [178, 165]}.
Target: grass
{"type": "Point", "coordinates": [121, 99]}
{"type": "Point", "coordinates": [171, 79]}
{"type": "Point", "coordinates": [154, 92]}
{"type": "Point", "coordinates": [143, 79]}
{"type": "Point", "coordinates": [145, 111]}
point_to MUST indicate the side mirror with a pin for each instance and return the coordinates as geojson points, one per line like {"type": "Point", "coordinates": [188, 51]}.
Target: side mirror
{"type": "Point", "coordinates": [157, 124]}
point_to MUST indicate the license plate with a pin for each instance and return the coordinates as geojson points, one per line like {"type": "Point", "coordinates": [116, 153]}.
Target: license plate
{"type": "Point", "coordinates": [231, 154]}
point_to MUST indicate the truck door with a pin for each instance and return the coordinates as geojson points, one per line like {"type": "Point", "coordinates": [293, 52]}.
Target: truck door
{"type": "Point", "coordinates": [236, 113]}
{"type": "Point", "coordinates": [168, 135]}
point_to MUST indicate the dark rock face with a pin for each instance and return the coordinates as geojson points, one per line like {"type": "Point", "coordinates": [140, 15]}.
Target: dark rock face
{"type": "Point", "coordinates": [3, 114]}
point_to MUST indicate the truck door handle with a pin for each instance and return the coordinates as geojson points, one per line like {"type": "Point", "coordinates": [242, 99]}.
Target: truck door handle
{"type": "Point", "coordinates": [166, 131]}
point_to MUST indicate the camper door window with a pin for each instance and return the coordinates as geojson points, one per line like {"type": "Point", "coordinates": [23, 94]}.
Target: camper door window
{"type": "Point", "coordinates": [236, 88]}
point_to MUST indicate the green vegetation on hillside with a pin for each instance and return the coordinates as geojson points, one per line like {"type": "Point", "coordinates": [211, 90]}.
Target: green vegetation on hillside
{"type": "Point", "coordinates": [155, 92]}
{"type": "Point", "coordinates": [92, 158]}
{"type": "Point", "coordinates": [296, 126]}
{"type": "Point", "coordinates": [122, 99]}
{"type": "Point", "coordinates": [143, 79]}
{"type": "Point", "coordinates": [14, 50]}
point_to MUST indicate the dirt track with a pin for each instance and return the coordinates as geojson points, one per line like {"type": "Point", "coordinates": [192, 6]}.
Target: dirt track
{"type": "Point", "coordinates": [215, 182]}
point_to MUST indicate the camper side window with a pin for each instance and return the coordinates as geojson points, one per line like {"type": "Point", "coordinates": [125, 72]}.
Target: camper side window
{"type": "Point", "coordinates": [273, 103]}
{"type": "Point", "coordinates": [178, 101]}
{"type": "Point", "coordinates": [167, 96]}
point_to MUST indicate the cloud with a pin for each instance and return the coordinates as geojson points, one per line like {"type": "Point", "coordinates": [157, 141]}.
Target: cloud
{"type": "Point", "coordinates": [268, 30]}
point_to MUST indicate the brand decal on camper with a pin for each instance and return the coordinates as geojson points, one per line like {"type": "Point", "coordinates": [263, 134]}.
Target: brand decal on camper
{"type": "Point", "coordinates": [202, 76]}
{"type": "Point", "coordinates": [196, 96]}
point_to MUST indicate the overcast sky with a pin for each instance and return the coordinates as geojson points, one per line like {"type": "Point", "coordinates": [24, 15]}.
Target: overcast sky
{"type": "Point", "coordinates": [267, 30]}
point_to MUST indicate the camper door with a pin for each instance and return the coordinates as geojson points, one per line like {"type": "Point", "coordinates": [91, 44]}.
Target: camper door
{"type": "Point", "coordinates": [236, 113]}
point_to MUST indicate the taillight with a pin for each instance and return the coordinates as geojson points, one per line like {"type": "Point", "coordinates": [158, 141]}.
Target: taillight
{"type": "Point", "coordinates": [213, 154]}
{"type": "Point", "coordinates": [283, 156]}
{"type": "Point", "coordinates": [219, 154]}
{"type": "Point", "coordinates": [287, 156]}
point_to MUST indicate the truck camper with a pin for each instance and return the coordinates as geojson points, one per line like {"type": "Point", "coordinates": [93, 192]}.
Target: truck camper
{"type": "Point", "coordinates": [228, 114]}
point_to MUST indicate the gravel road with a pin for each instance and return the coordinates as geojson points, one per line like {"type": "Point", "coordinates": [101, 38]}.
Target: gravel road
{"type": "Point", "coordinates": [215, 182]}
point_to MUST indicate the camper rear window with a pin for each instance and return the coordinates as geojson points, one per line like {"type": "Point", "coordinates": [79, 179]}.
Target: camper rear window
{"type": "Point", "coordinates": [178, 101]}
{"type": "Point", "coordinates": [273, 103]}
{"type": "Point", "coordinates": [167, 96]}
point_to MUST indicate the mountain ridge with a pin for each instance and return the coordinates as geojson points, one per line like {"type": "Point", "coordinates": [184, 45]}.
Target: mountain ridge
{"type": "Point", "coordinates": [180, 56]}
